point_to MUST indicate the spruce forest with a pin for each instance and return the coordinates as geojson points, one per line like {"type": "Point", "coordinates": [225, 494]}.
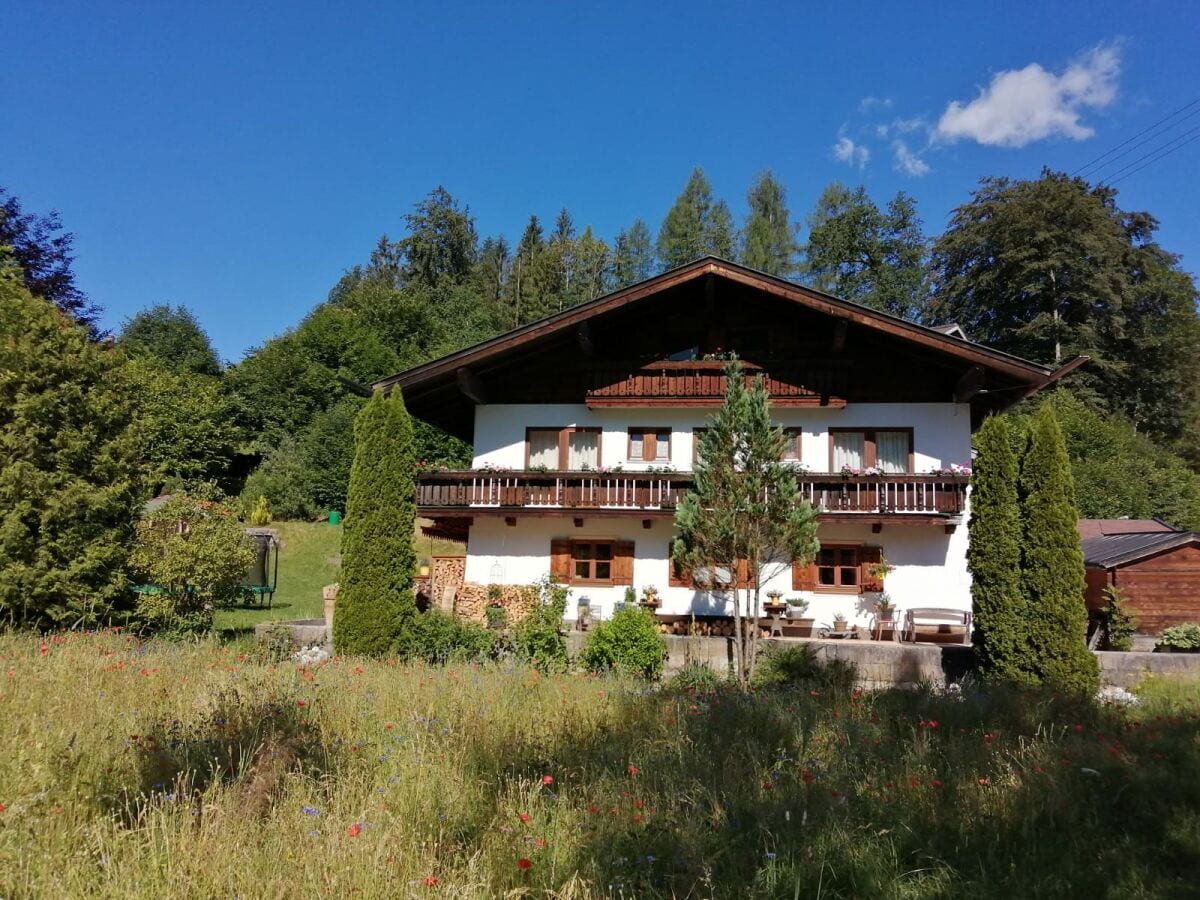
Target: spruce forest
{"type": "Point", "coordinates": [1045, 268]}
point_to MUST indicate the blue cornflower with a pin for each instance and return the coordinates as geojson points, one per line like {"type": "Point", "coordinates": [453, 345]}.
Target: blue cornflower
{"type": "Point", "coordinates": [310, 810]}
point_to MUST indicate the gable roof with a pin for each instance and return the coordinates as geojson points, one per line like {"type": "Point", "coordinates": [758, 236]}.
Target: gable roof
{"type": "Point", "coordinates": [1000, 379]}
{"type": "Point", "coordinates": [1110, 551]}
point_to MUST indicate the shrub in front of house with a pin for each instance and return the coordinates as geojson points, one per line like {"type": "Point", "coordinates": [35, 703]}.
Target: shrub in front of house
{"type": "Point", "coordinates": [628, 643]}
{"type": "Point", "coordinates": [787, 665]}
{"type": "Point", "coordinates": [439, 638]}
{"type": "Point", "coordinates": [1180, 638]}
{"type": "Point", "coordinates": [538, 639]}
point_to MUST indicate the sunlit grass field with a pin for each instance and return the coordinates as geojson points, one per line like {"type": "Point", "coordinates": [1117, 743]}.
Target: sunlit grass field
{"type": "Point", "coordinates": [205, 770]}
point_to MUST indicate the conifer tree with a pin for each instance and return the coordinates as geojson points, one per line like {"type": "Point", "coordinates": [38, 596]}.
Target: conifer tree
{"type": "Point", "coordinates": [695, 225]}
{"type": "Point", "coordinates": [375, 607]}
{"type": "Point", "coordinates": [633, 255]}
{"type": "Point", "coordinates": [70, 488]}
{"type": "Point", "coordinates": [745, 507]}
{"type": "Point", "coordinates": [994, 556]}
{"type": "Point", "coordinates": [768, 243]}
{"type": "Point", "coordinates": [1052, 562]}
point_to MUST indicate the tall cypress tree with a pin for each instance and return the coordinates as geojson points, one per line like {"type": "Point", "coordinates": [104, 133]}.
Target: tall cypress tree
{"type": "Point", "coordinates": [768, 242]}
{"type": "Point", "coordinates": [994, 556]}
{"type": "Point", "coordinates": [1052, 562]}
{"type": "Point", "coordinates": [375, 607]}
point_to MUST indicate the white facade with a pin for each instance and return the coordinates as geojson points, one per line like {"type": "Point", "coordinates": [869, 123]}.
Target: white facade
{"type": "Point", "coordinates": [929, 564]}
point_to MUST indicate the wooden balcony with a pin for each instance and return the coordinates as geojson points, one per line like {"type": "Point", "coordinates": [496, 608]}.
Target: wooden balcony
{"type": "Point", "coordinates": [656, 494]}
{"type": "Point", "coordinates": [694, 383]}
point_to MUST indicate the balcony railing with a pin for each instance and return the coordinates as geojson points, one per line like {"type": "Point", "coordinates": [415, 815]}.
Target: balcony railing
{"type": "Point", "coordinates": [703, 382]}
{"type": "Point", "coordinates": [930, 495]}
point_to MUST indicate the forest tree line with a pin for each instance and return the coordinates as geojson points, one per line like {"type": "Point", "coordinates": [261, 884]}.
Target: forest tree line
{"type": "Point", "coordinates": [1045, 268]}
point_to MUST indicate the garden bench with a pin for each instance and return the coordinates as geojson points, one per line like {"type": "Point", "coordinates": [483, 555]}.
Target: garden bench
{"type": "Point", "coordinates": [938, 620]}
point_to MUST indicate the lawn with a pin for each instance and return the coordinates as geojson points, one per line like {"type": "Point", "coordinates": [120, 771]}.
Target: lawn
{"type": "Point", "coordinates": [309, 560]}
{"type": "Point", "coordinates": [204, 770]}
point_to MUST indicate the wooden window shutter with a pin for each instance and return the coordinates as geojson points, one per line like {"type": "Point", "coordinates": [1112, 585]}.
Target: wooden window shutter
{"type": "Point", "coordinates": [622, 570]}
{"type": "Point", "coordinates": [676, 577]}
{"type": "Point", "coordinates": [560, 560]}
{"type": "Point", "coordinates": [868, 557]}
{"type": "Point", "coordinates": [745, 577]}
{"type": "Point", "coordinates": [804, 578]}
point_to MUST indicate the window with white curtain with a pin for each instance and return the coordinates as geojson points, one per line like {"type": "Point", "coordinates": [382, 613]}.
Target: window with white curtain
{"type": "Point", "coordinates": [543, 448]}
{"type": "Point", "coordinates": [583, 450]}
{"type": "Point", "coordinates": [849, 450]}
{"type": "Point", "coordinates": [891, 451]}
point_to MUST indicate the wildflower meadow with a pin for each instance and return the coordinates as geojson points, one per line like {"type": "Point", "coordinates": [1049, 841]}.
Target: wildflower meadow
{"type": "Point", "coordinates": [203, 770]}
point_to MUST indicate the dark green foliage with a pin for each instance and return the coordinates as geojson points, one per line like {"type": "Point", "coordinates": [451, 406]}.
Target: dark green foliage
{"type": "Point", "coordinates": [796, 665]}
{"type": "Point", "coordinates": [994, 556]}
{"type": "Point", "coordinates": [629, 643]}
{"type": "Point", "coordinates": [1119, 472]}
{"type": "Point", "coordinates": [439, 638]}
{"type": "Point", "coordinates": [70, 486]}
{"type": "Point", "coordinates": [861, 253]}
{"type": "Point", "coordinates": [744, 505]}
{"type": "Point", "coordinates": [441, 241]}
{"type": "Point", "coordinates": [283, 480]}
{"type": "Point", "coordinates": [376, 607]}
{"type": "Point", "coordinates": [538, 638]}
{"type": "Point", "coordinates": [173, 337]}
{"type": "Point", "coordinates": [633, 255]}
{"type": "Point", "coordinates": [1119, 621]}
{"type": "Point", "coordinates": [43, 253]}
{"type": "Point", "coordinates": [695, 225]}
{"type": "Point", "coordinates": [327, 450]}
{"type": "Point", "coordinates": [695, 677]}
{"type": "Point", "coordinates": [1180, 637]}
{"type": "Point", "coordinates": [1052, 562]}
{"type": "Point", "coordinates": [768, 242]}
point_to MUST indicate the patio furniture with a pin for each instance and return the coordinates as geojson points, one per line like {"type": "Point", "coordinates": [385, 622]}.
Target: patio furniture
{"type": "Point", "coordinates": [938, 621]}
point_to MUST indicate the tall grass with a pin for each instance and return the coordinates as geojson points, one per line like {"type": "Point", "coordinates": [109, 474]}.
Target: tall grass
{"type": "Point", "coordinates": [198, 771]}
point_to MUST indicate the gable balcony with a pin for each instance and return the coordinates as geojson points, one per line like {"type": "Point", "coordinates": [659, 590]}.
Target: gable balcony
{"type": "Point", "coordinates": [703, 383]}
{"type": "Point", "coordinates": [929, 498]}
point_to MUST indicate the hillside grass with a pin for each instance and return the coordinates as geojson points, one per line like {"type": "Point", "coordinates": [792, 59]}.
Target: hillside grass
{"type": "Point", "coordinates": [199, 770]}
{"type": "Point", "coordinates": [309, 559]}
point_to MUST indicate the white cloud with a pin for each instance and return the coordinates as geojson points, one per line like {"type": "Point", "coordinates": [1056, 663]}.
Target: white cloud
{"type": "Point", "coordinates": [1021, 106]}
{"type": "Point", "coordinates": [902, 126]}
{"type": "Point", "coordinates": [908, 162]}
{"type": "Point", "coordinates": [852, 154]}
{"type": "Point", "coordinates": [866, 104]}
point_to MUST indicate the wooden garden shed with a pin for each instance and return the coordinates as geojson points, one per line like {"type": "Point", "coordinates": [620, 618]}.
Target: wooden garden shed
{"type": "Point", "coordinates": [1156, 566]}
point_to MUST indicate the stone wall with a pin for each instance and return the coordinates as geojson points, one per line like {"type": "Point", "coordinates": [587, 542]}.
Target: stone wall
{"type": "Point", "coordinates": [517, 600]}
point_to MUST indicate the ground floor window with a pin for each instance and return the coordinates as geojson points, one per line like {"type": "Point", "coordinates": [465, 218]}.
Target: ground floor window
{"type": "Point", "coordinates": [592, 561]}
{"type": "Point", "coordinates": [837, 567]}
{"type": "Point", "coordinates": [841, 569]}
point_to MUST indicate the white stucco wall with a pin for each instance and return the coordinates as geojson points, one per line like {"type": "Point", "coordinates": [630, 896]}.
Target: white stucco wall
{"type": "Point", "coordinates": [930, 565]}
{"type": "Point", "coordinates": [941, 431]}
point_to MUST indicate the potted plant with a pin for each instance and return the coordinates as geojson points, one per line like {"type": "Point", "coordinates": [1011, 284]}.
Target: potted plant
{"type": "Point", "coordinates": [839, 622]}
{"type": "Point", "coordinates": [797, 607]}
{"type": "Point", "coordinates": [885, 608]}
{"type": "Point", "coordinates": [775, 602]}
{"type": "Point", "coordinates": [650, 597]}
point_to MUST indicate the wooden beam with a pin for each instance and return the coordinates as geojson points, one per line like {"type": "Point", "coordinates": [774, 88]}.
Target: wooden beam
{"type": "Point", "coordinates": [647, 523]}
{"type": "Point", "coordinates": [876, 527]}
{"type": "Point", "coordinates": [839, 335]}
{"type": "Point", "coordinates": [969, 385]}
{"type": "Point", "coordinates": [471, 386]}
{"type": "Point", "coordinates": [583, 334]}
{"type": "Point", "coordinates": [578, 522]}
{"type": "Point", "coordinates": [510, 521]}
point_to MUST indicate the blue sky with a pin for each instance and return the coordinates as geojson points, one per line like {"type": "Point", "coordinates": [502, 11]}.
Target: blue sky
{"type": "Point", "coordinates": [237, 157]}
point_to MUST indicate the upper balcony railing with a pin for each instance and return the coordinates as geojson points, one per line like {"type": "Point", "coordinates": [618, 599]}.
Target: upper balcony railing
{"type": "Point", "coordinates": [930, 495]}
{"type": "Point", "coordinates": [703, 383]}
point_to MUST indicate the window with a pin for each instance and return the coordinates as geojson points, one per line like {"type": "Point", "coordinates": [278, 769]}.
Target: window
{"type": "Point", "coordinates": [591, 562]}
{"type": "Point", "coordinates": [792, 449]}
{"type": "Point", "coordinates": [562, 449]}
{"type": "Point", "coordinates": [706, 580]}
{"type": "Point", "coordinates": [650, 444]}
{"type": "Point", "coordinates": [837, 568]}
{"type": "Point", "coordinates": [888, 449]}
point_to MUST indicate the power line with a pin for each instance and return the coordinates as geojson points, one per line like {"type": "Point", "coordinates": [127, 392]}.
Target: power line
{"type": "Point", "coordinates": [1156, 159]}
{"type": "Point", "coordinates": [1144, 156]}
{"type": "Point", "coordinates": [1154, 137]}
{"type": "Point", "coordinates": [1108, 153]}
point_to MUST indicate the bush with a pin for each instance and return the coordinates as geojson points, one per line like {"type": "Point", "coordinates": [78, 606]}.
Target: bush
{"type": "Point", "coordinates": [1120, 623]}
{"type": "Point", "coordinates": [538, 639]}
{"type": "Point", "coordinates": [440, 638]}
{"type": "Point", "coordinates": [1180, 637]}
{"type": "Point", "coordinates": [198, 554]}
{"type": "Point", "coordinates": [281, 479]}
{"type": "Point", "coordinates": [797, 664]}
{"type": "Point", "coordinates": [261, 515]}
{"type": "Point", "coordinates": [628, 643]}
{"type": "Point", "coordinates": [696, 677]}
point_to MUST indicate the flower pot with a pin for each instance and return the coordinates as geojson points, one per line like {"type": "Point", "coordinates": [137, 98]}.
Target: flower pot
{"type": "Point", "coordinates": [886, 615]}
{"type": "Point", "coordinates": [840, 624]}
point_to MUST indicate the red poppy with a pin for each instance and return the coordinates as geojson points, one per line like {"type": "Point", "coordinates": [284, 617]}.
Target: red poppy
{"type": "Point", "coordinates": [639, 804]}
{"type": "Point", "coordinates": [540, 843]}
{"type": "Point", "coordinates": [2, 807]}
{"type": "Point", "coordinates": [936, 783]}
{"type": "Point", "coordinates": [633, 770]}
{"type": "Point", "coordinates": [524, 817]}
{"type": "Point", "coordinates": [431, 881]}
{"type": "Point", "coordinates": [300, 703]}
{"type": "Point", "coordinates": [547, 780]}
{"type": "Point", "coordinates": [983, 782]}
{"type": "Point", "coordinates": [354, 830]}
{"type": "Point", "coordinates": [523, 863]}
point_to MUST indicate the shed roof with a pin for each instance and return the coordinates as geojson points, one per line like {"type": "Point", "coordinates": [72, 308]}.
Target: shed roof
{"type": "Point", "coordinates": [1089, 528]}
{"type": "Point", "coordinates": [1110, 551]}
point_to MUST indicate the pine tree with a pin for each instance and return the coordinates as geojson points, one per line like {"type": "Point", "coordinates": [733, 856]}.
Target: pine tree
{"type": "Point", "coordinates": [70, 488]}
{"type": "Point", "coordinates": [376, 607]}
{"type": "Point", "coordinates": [695, 225]}
{"type": "Point", "coordinates": [768, 243]}
{"type": "Point", "coordinates": [745, 505]}
{"type": "Point", "coordinates": [994, 556]}
{"type": "Point", "coordinates": [633, 255]}
{"type": "Point", "coordinates": [1052, 562]}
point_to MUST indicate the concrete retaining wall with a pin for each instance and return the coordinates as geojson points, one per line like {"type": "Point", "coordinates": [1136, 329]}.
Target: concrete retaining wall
{"type": "Point", "coordinates": [1127, 669]}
